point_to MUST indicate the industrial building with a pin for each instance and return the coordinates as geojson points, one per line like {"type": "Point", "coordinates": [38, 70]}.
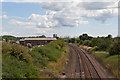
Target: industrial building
{"type": "Point", "coordinates": [36, 41]}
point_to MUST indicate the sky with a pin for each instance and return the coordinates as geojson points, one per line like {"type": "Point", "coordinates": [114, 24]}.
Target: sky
{"type": "Point", "coordinates": [62, 18]}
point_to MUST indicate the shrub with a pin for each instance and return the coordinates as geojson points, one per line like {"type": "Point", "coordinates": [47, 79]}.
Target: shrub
{"type": "Point", "coordinates": [86, 42]}
{"type": "Point", "coordinates": [50, 52]}
{"type": "Point", "coordinates": [115, 47]}
{"type": "Point", "coordinates": [38, 59]}
{"type": "Point", "coordinates": [18, 51]}
{"type": "Point", "coordinates": [60, 42]}
{"type": "Point", "coordinates": [6, 48]}
{"type": "Point", "coordinates": [93, 49]}
{"type": "Point", "coordinates": [13, 68]}
{"type": "Point", "coordinates": [101, 43]}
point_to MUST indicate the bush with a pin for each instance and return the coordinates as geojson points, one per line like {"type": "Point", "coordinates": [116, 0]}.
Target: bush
{"type": "Point", "coordinates": [86, 42]}
{"type": "Point", "coordinates": [17, 59]}
{"type": "Point", "coordinates": [60, 42]}
{"type": "Point", "coordinates": [16, 62]}
{"type": "Point", "coordinates": [103, 44]}
{"type": "Point", "coordinates": [18, 51]}
{"type": "Point", "coordinates": [115, 47]}
{"type": "Point", "coordinates": [50, 52]}
{"type": "Point", "coordinates": [13, 68]}
{"type": "Point", "coordinates": [6, 48]}
{"type": "Point", "coordinates": [93, 49]}
{"type": "Point", "coordinates": [38, 59]}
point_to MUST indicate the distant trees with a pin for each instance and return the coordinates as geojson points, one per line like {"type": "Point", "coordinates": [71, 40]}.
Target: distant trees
{"type": "Point", "coordinates": [102, 43]}
{"type": "Point", "coordinates": [85, 37]}
{"type": "Point", "coordinates": [77, 40]}
{"type": "Point", "coordinates": [42, 36]}
{"type": "Point", "coordinates": [69, 40]}
{"type": "Point", "coordinates": [87, 43]}
{"type": "Point", "coordinates": [72, 40]}
{"type": "Point", "coordinates": [8, 37]}
{"type": "Point", "coordinates": [109, 36]}
{"type": "Point", "coordinates": [81, 38]}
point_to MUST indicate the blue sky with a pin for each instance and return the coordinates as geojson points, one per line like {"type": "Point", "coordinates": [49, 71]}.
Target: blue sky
{"type": "Point", "coordinates": [64, 19]}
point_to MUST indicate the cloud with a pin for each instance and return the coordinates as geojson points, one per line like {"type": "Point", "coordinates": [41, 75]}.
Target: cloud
{"type": "Point", "coordinates": [54, 6]}
{"type": "Point", "coordinates": [23, 24]}
{"type": "Point", "coordinates": [69, 14]}
{"type": "Point", "coordinates": [59, 0]}
{"type": "Point", "coordinates": [43, 21]}
{"type": "Point", "coordinates": [1, 0]}
{"type": "Point", "coordinates": [97, 5]}
{"type": "Point", "coordinates": [3, 17]}
{"type": "Point", "coordinates": [72, 12]}
{"type": "Point", "coordinates": [56, 19]}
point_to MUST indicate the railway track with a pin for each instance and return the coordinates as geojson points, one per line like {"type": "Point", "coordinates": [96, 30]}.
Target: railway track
{"type": "Point", "coordinates": [83, 66]}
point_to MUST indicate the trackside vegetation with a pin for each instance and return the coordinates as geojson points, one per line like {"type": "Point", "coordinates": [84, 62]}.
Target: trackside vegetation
{"type": "Point", "coordinates": [49, 60]}
{"type": "Point", "coordinates": [17, 62]}
{"type": "Point", "coordinates": [105, 49]}
{"type": "Point", "coordinates": [24, 62]}
{"type": "Point", "coordinates": [110, 62]}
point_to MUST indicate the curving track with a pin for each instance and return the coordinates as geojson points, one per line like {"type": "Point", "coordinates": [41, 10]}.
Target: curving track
{"type": "Point", "coordinates": [84, 66]}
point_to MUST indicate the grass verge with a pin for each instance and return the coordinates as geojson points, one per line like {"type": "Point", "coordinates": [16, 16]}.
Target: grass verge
{"type": "Point", "coordinates": [110, 62]}
{"type": "Point", "coordinates": [59, 66]}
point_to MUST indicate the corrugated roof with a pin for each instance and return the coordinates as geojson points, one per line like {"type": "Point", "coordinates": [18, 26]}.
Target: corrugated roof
{"type": "Point", "coordinates": [40, 39]}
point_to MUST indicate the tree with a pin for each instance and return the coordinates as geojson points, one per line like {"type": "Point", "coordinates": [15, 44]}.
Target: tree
{"type": "Point", "coordinates": [85, 37]}
{"type": "Point", "coordinates": [73, 40]}
{"type": "Point", "coordinates": [60, 42]}
{"type": "Point", "coordinates": [109, 36]}
{"type": "Point", "coordinates": [77, 40]}
{"type": "Point", "coordinates": [96, 42]}
{"type": "Point", "coordinates": [9, 37]}
{"type": "Point", "coordinates": [86, 43]}
{"type": "Point", "coordinates": [43, 36]}
{"type": "Point", "coordinates": [102, 43]}
{"type": "Point", "coordinates": [115, 47]}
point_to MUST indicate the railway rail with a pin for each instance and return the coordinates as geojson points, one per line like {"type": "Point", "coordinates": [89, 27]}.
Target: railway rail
{"type": "Point", "coordinates": [82, 65]}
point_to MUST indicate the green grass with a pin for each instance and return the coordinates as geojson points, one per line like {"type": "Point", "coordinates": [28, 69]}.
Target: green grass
{"type": "Point", "coordinates": [101, 56]}
{"type": "Point", "coordinates": [111, 62]}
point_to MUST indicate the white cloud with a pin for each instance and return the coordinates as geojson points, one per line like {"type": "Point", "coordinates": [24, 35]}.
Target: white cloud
{"type": "Point", "coordinates": [70, 14]}
{"type": "Point", "coordinates": [73, 10]}
{"type": "Point", "coordinates": [3, 17]}
{"type": "Point", "coordinates": [44, 21]}
{"type": "Point", "coordinates": [59, 0]}
{"type": "Point", "coordinates": [23, 24]}
{"type": "Point", "coordinates": [67, 14]}
{"type": "Point", "coordinates": [1, 0]}
{"type": "Point", "coordinates": [56, 19]}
